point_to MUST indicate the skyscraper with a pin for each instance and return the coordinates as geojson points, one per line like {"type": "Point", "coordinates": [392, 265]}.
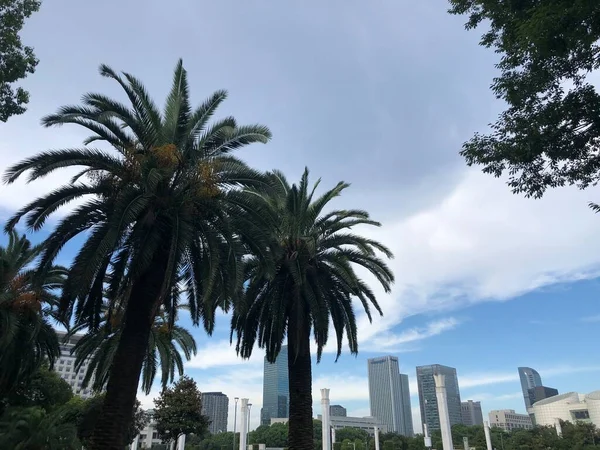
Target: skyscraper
{"type": "Point", "coordinates": [540, 393]}
{"type": "Point", "coordinates": [389, 395]}
{"type": "Point", "coordinates": [276, 391]}
{"type": "Point", "coordinates": [428, 399]}
{"type": "Point", "coordinates": [65, 365]}
{"type": "Point", "coordinates": [215, 405]}
{"type": "Point", "coordinates": [530, 379]}
{"type": "Point", "coordinates": [337, 411]}
{"type": "Point", "coordinates": [471, 413]}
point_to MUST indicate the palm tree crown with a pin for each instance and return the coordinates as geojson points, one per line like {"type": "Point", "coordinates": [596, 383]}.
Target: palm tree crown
{"type": "Point", "coordinates": [155, 213]}
{"type": "Point", "coordinates": [305, 281]}
{"type": "Point", "coordinates": [26, 305]}
{"type": "Point", "coordinates": [166, 345]}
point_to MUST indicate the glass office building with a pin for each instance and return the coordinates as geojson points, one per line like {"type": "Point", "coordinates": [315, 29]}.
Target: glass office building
{"type": "Point", "coordinates": [428, 399]}
{"type": "Point", "coordinates": [276, 392]}
{"type": "Point", "coordinates": [389, 395]}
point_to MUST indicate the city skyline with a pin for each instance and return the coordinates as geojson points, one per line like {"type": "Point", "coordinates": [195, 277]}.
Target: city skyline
{"type": "Point", "coordinates": [473, 262]}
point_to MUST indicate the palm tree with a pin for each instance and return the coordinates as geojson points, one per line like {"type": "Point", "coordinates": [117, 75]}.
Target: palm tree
{"type": "Point", "coordinates": [36, 429]}
{"type": "Point", "coordinates": [306, 279]}
{"type": "Point", "coordinates": [26, 305]}
{"type": "Point", "coordinates": [155, 218]}
{"type": "Point", "coordinates": [167, 342]}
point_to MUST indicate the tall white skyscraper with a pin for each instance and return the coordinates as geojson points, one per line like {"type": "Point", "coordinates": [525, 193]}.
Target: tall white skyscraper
{"type": "Point", "coordinates": [389, 395]}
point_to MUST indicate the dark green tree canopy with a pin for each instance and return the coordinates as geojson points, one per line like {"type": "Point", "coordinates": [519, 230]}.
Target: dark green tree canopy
{"type": "Point", "coordinates": [16, 60]}
{"type": "Point", "coordinates": [178, 410]}
{"type": "Point", "coordinates": [549, 135]}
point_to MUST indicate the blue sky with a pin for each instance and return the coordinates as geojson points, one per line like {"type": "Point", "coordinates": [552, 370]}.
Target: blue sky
{"type": "Point", "coordinates": [379, 94]}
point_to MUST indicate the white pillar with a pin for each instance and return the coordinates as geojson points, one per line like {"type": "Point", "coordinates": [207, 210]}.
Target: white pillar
{"type": "Point", "coordinates": [332, 437]}
{"type": "Point", "coordinates": [488, 437]}
{"type": "Point", "coordinates": [134, 444]}
{"type": "Point", "coordinates": [558, 427]}
{"type": "Point", "coordinates": [181, 442]}
{"type": "Point", "coordinates": [376, 438]}
{"type": "Point", "coordinates": [326, 425]}
{"type": "Point", "coordinates": [442, 401]}
{"type": "Point", "coordinates": [244, 423]}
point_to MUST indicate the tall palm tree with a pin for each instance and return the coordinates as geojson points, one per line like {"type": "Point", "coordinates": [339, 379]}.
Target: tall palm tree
{"type": "Point", "coordinates": [154, 214]}
{"type": "Point", "coordinates": [306, 280]}
{"type": "Point", "coordinates": [166, 344]}
{"type": "Point", "coordinates": [26, 305]}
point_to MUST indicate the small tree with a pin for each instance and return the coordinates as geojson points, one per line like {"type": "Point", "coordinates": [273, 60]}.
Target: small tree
{"type": "Point", "coordinates": [16, 60]}
{"type": "Point", "coordinates": [91, 410]}
{"type": "Point", "coordinates": [178, 410]}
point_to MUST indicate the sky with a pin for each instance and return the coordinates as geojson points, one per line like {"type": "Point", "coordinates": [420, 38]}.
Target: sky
{"type": "Point", "coordinates": [379, 94]}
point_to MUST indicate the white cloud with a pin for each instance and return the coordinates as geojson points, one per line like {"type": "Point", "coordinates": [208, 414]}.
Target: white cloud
{"type": "Point", "coordinates": [387, 341]}
{"type": "Point", "coordinates": [221, 353]}
{"type": "Point", "coordinates": [491, 378]}
{"type": "Point", "coordinates": [483, 243]}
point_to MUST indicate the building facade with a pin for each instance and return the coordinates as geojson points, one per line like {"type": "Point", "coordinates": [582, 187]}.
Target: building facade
{"type": "Point", "coordinates": [569, 407]}
{"type": "Point", "coordinates": [65, 365]}
{"type": "Point", "coordinates": [276, 392]}
{"type": "Point", "coordinates": [337, 411]}
{"type": "Point", "coordinates": [367, 424]}
{"type": "Point", "coordinates": [541, 393]}
{"type": "Point", "coordinates": [215, 405]}
{"type": "Point", "coordinates": [148, 436]}
{"type": "Point", "coordinates": [530, 378]}
{"type": "Point", "coordinates": [389, 395]}
{"type": "Point", "coordinates": [509, 420]}
{"type": "Point", "coordinates": [471, 413]}
{"type": "Point", "coordinates": [427, 396]}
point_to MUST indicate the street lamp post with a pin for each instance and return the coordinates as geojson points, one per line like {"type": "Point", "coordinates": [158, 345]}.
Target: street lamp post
{"type": "Point", "coordinates": [249, 409]}
{"type": "Point", "coordinates": [234, 419]}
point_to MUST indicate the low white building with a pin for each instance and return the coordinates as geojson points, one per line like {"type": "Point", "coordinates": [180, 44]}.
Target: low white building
{"type": "Point", "coordinates": [337, 422]}
{"type": "Point", "coordinates": [509, 420]}
{"type": "Point", "coordinates": [367, 424]}
{"type": "Point", "coordinates": [148, 436]}
{"type": "Point", "coordinates": [569, 407]}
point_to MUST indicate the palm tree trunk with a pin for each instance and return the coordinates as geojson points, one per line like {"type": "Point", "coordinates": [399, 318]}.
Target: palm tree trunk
{"type": "Point", "coordinates": [113, 423]}
{"type": "Point", "coordinates": [300, 433]}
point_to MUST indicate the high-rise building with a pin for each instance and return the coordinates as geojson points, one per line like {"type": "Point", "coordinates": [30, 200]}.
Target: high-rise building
{"type": "Point", "coordinates": [471, 413]}
{"type": "Point", "coordinates": [389, 395]}
{"type": "Point", "coordinates": [215, 405]}
{"type": "Point", "coordinates": [428, 399]}
{"type": "Point", "coordinates": [65, 365]}
{"type": "Point", "coordinates": [540, 393]}
{"type": "Point", "coordinates": [276, 391]}
{"type": "Point", "coordinates": [509, 420]}
{"type": "Point", "coordinates": [530, 379]}
{"type": "Point", "coordinates": [337, 411]}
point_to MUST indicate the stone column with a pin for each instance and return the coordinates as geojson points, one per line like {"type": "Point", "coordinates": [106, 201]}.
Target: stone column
{"type": "Point", "coordinates": [376, 438]}
{"type": "Point", "coordinates": [181, 442]}
{"type": "Point", "coordinates": [332, 437]}
{"type": "Point", "coordinates": [558, 427]}
{"type": "Point", "coordinates": [244, 423]}
{"type": "Point", "coordinates": [326, 422]}
{"type": "Point", "coordinates": [134, 444]}
{"type": "Point", "coordinates": [488, 437]}
{"type": "Point", "coordinates": [442, 401]}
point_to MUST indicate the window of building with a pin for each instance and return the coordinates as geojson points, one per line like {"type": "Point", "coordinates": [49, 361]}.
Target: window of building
{"type": "Point", "coordinates": [68, 369]}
